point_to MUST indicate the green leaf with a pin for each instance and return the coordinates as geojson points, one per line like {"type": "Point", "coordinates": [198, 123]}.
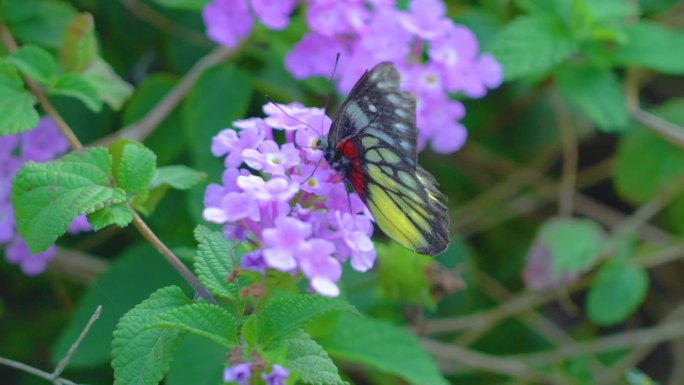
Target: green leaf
{"type": "Point", "coordinates": [602, 11]}
{"type": "Point", "coordinates": [37, 21]}
{"type": "Point", "coordinates": [79, 49]}
{"type": "Point", "coordinates": [382, 346]}
{"type": "Point", "coordinates": [214, 262]}
{"type": "Point", "coordinates": [118, 214]}
{"type": "Point", "coordinates": [202, 319]}
{"type": "Point", "coordinates": [195, 359]}
{"type": "Point", "coordinates": [651, 45]}
{"type": "Point", "coordinates": [141, 355]}
{"type": "Point", "coordinates": [402, 275]}
{"type": "Point", "coordinates": [307, 358]}
{"type": "Point", "coordinates": [34, 62]}
{"type": "Point", "coordinates": [177, 176]}
{"type": "Point", "coordinates": [283, 315]}
{"type": "Point", "coordinates": [617, 291]}
{"type": "Point", "coordinates": [530, 45]}
{"type": "Point", "coordinates": [76, 86]}
{"type": "Point", "coordinates": [48, 196]}
{"type": "Point", "coordinates": [188, 5]}
{"type": "Point", "coordinates": [646, 164]}
{"type": "Point", "coordinates": [125, 282]}
{"type": "Point", "coordinates": [108, 85]}
{"type": "Point", "coordinates": [16, 104]}
{"type": "Point", "coordinates": [598, 94]}
{"type": "Point", "coordinates": [136, 168]}
{"type": "Point", "coordinates": [574, 244]}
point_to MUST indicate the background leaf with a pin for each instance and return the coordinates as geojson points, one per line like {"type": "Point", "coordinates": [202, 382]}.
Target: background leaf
{"type": "Point", "coordinates": [34, 62]}
{"type": "Point", "coordinates": [617, 292]}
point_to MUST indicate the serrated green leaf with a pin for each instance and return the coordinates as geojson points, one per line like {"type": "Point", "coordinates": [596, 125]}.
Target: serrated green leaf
{"type": "Point", "coordinates": [201, 319]}
{"type": "Point", "coordinates": [382, 346]}
{"type": "Point", "coordinates": [249, 330]}
{"type": "Point", "coordinates": [118, 214]}
{"type": "Point", "coordinates": [16, 111]}
{"type": "Point", "coordinates": [617, 291]}
{"type": "Point", "coordinates": [606, 10]}
{"type": "Point", "coordinates": [108, 85]}
{"type": "Point", "coordinates": [76, 86]}
{"type": "Point", "coordinates": [283, 315]}
{"type": "Point", "coordinates": [127, 281]}
{"type": "Point", "coordinates": [651, 45]}
{"type": "Point", "coordinates": [136, 168]}
{"type": "Point", "coordinates": [9, 77]}
{"type": "Point", "coordinates": [597, 93]}
{"type": "Point", "coordinates": [177, 176]}
{"type": "Point", "coordinates": [141, 355]}
{"type": "Point", "coordinates": [79, 49]}
{"type": "Point", "coordinates": [306, 357]}
{"type": "Point", "coordinates": [34, 62]}
{"type": "Point", "coordinates": [574, 244]}
{"type": "Point", "coordinates": [197, 361]}
{"type": "Point", "coordinates": [48, 196]}
{"type": "Point", "coordinates": [530, 45]}
{"type": "Point", "coordinates": [36, 21]}
{"type": "Point", "coordinates": [646, 164]}
{"type": "Point", "coordinates": [214, 262]}
{"type": "Point", "coordinates": [188, 5]}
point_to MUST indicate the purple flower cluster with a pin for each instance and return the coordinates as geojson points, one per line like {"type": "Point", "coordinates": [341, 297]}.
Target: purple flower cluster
{"type": "Point", "coordinates": [283, 199]}
{"type": "Point", "coordinates": [241, 373]}
{"type": "Point", "coordinates": [41, 144]}
{"type": "Point", "coordinates": [436, 56]}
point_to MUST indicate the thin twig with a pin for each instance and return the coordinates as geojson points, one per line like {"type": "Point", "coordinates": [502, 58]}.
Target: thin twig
{"type": "Point", "coordinates": [668, 131]}
{"type": "Point", "coordinates": [568, 141]}
{"type": "Point", "coordinates": [34, 371]}
{"type": "Point", "coordinates": [67, 358]}
{"type": "Point", "coordinates": [145, 126]}
{"type": "Point", "coordinates": [454, 356]}
{"type": "Point", "coordinates": [148, 14]}
{"type": "Point", "coordinates": [171, 258]}
{"type": "Point", "coordinates": [637, 338]}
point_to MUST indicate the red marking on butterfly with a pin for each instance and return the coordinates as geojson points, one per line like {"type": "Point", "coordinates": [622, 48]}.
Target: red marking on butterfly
{"type": "Point", "coordinates": [348, 150]}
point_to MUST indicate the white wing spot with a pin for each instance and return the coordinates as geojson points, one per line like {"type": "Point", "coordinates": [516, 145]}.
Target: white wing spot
{"type": "Point", "coordinates": [402, 127]}
{"type": "Point", "coordinates": [372, 108]}
{"type": "Point", "coordinates": [357, 116]}
{"type": "Point", "coordinates": [381, 135]}
{"type": "Point", "coordinates": [401, 113]}
{"type": "Point", "coordinates": [395, 99]}
{"type": "Point", "coordinates": [384, 85]}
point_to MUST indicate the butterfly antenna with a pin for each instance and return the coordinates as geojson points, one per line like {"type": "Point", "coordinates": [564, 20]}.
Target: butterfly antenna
{"type": "Point", "coordinates": [290, 116]}
{"type": "Point", "coordinates": [330, 83]}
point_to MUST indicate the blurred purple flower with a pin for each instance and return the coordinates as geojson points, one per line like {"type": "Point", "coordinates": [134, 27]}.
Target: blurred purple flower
{"type": "Point", "coordinates": [43, 143]}
{"type": "Point", "coordinates": [239, 373]}
{"type": "Point", "coordinates": [277, 376]}
{"type": "Point", "coordinates": [274, 14]}
{"type": "Point", "coordinates": [228, 22]}
{"type": "Point", "coordinates": [282, 242]}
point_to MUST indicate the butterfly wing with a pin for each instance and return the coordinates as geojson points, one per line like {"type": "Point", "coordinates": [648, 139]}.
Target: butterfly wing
{"type": "Point", "coordinates": [375, 128]}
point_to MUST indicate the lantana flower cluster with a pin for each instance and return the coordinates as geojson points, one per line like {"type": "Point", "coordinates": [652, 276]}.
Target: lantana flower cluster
{"type": "Point", "coordinates": [435, 56]}
{"type": "Point", "coordinates": [41, 144]}
{"type": "Point", "coordinates": [284, 199]}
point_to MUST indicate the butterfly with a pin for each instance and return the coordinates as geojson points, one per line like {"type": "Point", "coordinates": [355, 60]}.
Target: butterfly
{"type": "Point", "coordinates": [372, 142]}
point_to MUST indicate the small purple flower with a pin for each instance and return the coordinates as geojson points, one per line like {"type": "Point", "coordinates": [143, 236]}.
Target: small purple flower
{"type": "Point", "coordinates": [228, 22]}
{"type": "Point", "coordinates": [6, 221]}
{"type": "Point", "coordinates": [354, 231]}
{"type": "Point", "coordinates": [314, 55]}
{"type": "Point", "coordinates": [319, 266]}
{"type": "Point", "coordinates": [271, 158]}
{"type": "Point", "coordinates": [282, 242]}
{"type": "Point", "coordinates": [229, 142]}
{"type": "Point", "coordinates": [254, 261]}
{"type": "Point", "coordinates": [79, 224]}
{"type": "Point", "coordinates": [277, 376]}
{"type": "Point", "coordinates": [274, 190]}
{"type": "Point", "coordinates": [239, 373]}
